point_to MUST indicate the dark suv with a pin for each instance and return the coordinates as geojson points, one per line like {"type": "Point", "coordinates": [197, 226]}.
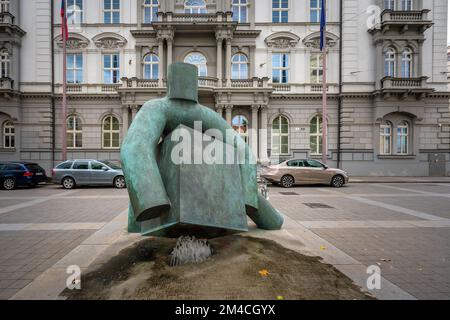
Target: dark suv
{"type": "Point", "coordinates": [16, 174]}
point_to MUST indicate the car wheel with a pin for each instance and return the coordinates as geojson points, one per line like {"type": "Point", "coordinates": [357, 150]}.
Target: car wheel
{"type": "Point", "coordinates": [68, 183]}
{"type": "Point", "coordinates": [337, 181]}
{"type": "Point", "coordinates": [9, 184]}
{"type": "Point", "coordinates": [119, 182]}
{"type": "Point", "coordinates": [287, 181]}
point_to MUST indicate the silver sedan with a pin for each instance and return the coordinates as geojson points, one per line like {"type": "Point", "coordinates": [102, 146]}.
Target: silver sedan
{"type": "Point", "coordinates": [74, 173]}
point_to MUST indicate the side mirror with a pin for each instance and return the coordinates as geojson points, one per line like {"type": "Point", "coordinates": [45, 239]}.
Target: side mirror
{"type": "Point", "coordinates": [105, 169]}
{"type": "Point", "coordinates": [325, 167]}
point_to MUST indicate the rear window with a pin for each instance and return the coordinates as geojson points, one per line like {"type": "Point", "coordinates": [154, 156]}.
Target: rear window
{"type": "Point", "coordinates": [34, 167]}
{"type": "Point", "coordinates": [14, 167]}
{"type": "Point", "coordinates": [65, 165]}
{"type": "Point", "coordinates": [81, 165]}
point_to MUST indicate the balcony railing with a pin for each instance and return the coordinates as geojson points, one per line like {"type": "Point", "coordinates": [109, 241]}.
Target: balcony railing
{"type": "Point", "coordinates": [183, 18]}
{"type": "Point", "coordinates": [6, 84]}
{"type": "Point", "coordinates": [88, 88]}
{"type": "Point", "coordinates": [405, 16]}
{"type": "Point", "coordinates": [404, 83]}
{"type": "Point", "coordinates": [304, 88]}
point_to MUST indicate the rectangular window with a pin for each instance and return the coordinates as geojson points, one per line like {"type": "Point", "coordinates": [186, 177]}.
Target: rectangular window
{"type": "Point", "coordinates": [314, 10]}
{"type": "Point", "coordinates": [74, 11]}
{"type": "Point", "coordinates": [407, 5]}
{"type": "Point", "coordinates": [280, 68]}
{"type": "Point", "coordinates": [385, 139]}
{"type": "Point", "coordinates": [389, 4]}
{"type": "Point", "coordinates": [239, 8]}
{"type": "Point", "coordinates": [75, 68]}
{"type": "Point", "coordinates": [150, 11]}
{"type": "Point", "coordinates": [316, 67]}
{"type": "Point", "coordinates": [402, 140]}
{"type": "Point", "coordinates": [4, 5]}
{"type": "Point", "coordinates": [111, 68]}
{"type": "Point", "coordinates": [280, 11]}
{"type": "Point", "coordinates": [111, 11]}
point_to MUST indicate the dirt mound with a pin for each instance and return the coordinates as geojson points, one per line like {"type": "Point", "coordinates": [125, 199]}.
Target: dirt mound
{"type": "Point", "coordinates": [240, 268]}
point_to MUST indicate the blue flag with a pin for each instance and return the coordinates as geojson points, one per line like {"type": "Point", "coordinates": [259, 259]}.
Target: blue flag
{"type": "Point", "coordinates": [323, 23]}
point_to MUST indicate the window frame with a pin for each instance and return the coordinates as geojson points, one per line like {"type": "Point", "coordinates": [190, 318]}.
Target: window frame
{"type": "Point", "coordinates": [317, 10]}
{"type": "Point", "coordinates": [407, 5]}
{"type": "Point", "coordinates": [242, 74]}
{"type": "Point", "coordinates": [386, 136]}
{"type": "Point", "coordinates": [280, 10]}
{"type": "Point", "coordinates": [390, 4]}
{"type": "Point", "coordinates": [74, 68]}
{"type": "Point", "coordinates": [151, 65]}
{"type": "Point", "coordinates": [9, 135]}
{"type": "Point", "coordinates": [110, 11]}
{"type": "Point", "coordinates": [153, 10]}
{"type": "Point", "coordinates": [75, 15]}
{"type": "Point", "coordinates": [5, 63]}
{"type": "Point", "coordinates": [407, 60]}
{"type": "Point", "coordinates": [317, 135]}
{"type": "Point", "coordinates": [318, 57]}
{"type": "Point", "coordinates": [280, 69]}
{"type": "Point", "coordinates": [195, 9]}
{"type": "Point", "coordinates": [390, 62]}
{"type": "Point", "coordinates": [403, 144]}
{"type": "Point", "coordinates": [240, 6]}
{"type": "Point", "coordinates": [4, 6]}
{"type": "Point", "coordinates": [74, 132]}
{"type": "Point", "coordinates": [242, 123]}
{"type": "Point", "coordinates": [111, 69]}
{"type": "Point", "coordinates": [277, 135]}
{"type": "Point", "coordinates": [203, 71]}
{"type": "Point", "coordinates": [110, 132]}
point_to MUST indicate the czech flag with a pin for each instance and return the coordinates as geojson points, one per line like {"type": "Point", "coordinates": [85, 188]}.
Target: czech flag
{"type": "Point", "coordinates": [64, 28]}
{"type": "Point", "coordinates": [323, 24]}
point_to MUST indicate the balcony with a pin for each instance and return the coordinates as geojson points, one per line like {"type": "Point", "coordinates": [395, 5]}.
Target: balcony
{"type": "Point", "coordinates": [88, 88]}
{"type": "Point", "coordinates": [405, 86]}
{"type": "Point", "coordinates": [192, 21]}
{"type": "Point", "coordinates": [6, 18]}
{"type": "Point", "coordinates": [403, 21]}
{"type": "Point", "coordinates": [304, 88]}
{"type": "Point", "coordinates": [8, 27]}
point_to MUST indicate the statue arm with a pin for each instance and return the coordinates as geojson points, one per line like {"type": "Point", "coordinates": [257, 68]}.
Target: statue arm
{"type": "Point", "coordinates": [145, 187]}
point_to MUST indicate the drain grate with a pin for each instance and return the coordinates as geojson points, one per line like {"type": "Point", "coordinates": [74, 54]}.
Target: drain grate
{"type": "Point", "coordinates": [318, 206]}
{"type": "Point", "coordinates": [289, 193]}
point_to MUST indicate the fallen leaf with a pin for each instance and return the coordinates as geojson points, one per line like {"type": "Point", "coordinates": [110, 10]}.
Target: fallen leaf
{"type": "Point", "coordinates": [263, 273]}
{"type": "Point", "coordinates": [322, 248]}
{"type": "Point", "coordinates": [280, 298]}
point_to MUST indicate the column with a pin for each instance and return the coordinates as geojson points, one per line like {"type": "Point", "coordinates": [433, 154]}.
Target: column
{"type": "Point", "coordinates": [228, 62]}
{"type": "Point", "coordinates": [254, 131]}
{"type": "Point", "coordinates": [161, 62]}
{"type": "Point", "coordinates": [219, 60]}
{"type": "Point", "coordinates": [169, 51]}
{"type": "Point", "coordinates": [229, 113]}
{"type": "Point", "coordinates": [219, 110]}
{"type": "Point", "coordinates": [134, 110]}
{"type": "Point", "coordinates": [263, 136]}
{"type": "Point", "coordinates": [125, 121]}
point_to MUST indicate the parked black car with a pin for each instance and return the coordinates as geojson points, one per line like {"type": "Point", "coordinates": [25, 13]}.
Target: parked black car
{"type": "Point", "coordinates": [16, 174]}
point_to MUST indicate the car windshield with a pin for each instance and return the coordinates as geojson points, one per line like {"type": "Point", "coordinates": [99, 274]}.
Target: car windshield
{"type": "Point", "coordinates": [111, 164]}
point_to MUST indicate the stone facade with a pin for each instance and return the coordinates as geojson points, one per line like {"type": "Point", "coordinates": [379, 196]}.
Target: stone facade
{"type": "Point", "coordinates": [364, 99]}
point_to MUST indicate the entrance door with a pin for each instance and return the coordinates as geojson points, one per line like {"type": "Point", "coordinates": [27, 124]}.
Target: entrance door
{"type": "Point", "coordinates": [437, 164]}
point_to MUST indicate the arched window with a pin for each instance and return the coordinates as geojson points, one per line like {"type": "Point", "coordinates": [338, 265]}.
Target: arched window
{"type": "Point", "coordinates": [151, 66]}
{"type": "Point", "coordinates": [74, 132]}
{"type": "Point", "coordinates": [403, 138]}
{"type": "Point", "coordinates": [195, 6]}
{"type": "Point", "coordinates": [110, 132]}
{"type": "Point", "coordinates": [240, 125]}
{"type": "Point", "coordinates": [4, 63]}
{"type": "Point", "coordinates": [239, 66]}
{"type": "Point", "coordinates": [386, 138]}
{"type": "Point", "coordinates": [9, 134]}
{"type": "Point", "coordinates": [240, 11]}
{"type": "Point", "coordinates": [198, 60]}
{"type": "Point", "coordinates": [407, 5]}
{"type": "Point", "coordinates": [390, 63]}
{"type": "Point", "coordinates": [389, 4]}
{"type": "Point", "coordinates": [280, 136]}
{"type": "Point", "coordinates": [407, 61]}
{"type": "Point", "coordinates": [315, 135]}
{"type": "Point", "coordinates": [150, 10]}
{"type": "Point", "coordinates": [4, 5]}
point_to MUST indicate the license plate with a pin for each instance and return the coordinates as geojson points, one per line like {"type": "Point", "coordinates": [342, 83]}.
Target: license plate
{"type": "Point", "coordinates": [39, 173]}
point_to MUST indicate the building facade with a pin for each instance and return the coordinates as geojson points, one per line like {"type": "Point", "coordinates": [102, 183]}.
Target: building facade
{"type": "Point", "coordinates": [260, 68]}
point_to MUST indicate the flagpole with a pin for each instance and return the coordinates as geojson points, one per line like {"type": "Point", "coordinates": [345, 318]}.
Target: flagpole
{"type": "Point", "coordinates": [64, 98]}
{"type": "Point", "coordinates": [324, 92]}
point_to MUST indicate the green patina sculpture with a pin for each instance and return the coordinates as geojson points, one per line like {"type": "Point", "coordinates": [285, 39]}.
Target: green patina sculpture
{"type": "Point", "coordinates": [166, 197]}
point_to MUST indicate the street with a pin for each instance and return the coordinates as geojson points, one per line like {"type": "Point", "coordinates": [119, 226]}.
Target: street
{"type": "Point", "coordinates": [401, 227]}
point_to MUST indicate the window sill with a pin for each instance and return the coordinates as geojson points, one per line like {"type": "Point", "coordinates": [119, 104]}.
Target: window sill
{"type": "Point", "coordinates": [396, 156]}
{"type": "Point", "coordinates": [8, 150]}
